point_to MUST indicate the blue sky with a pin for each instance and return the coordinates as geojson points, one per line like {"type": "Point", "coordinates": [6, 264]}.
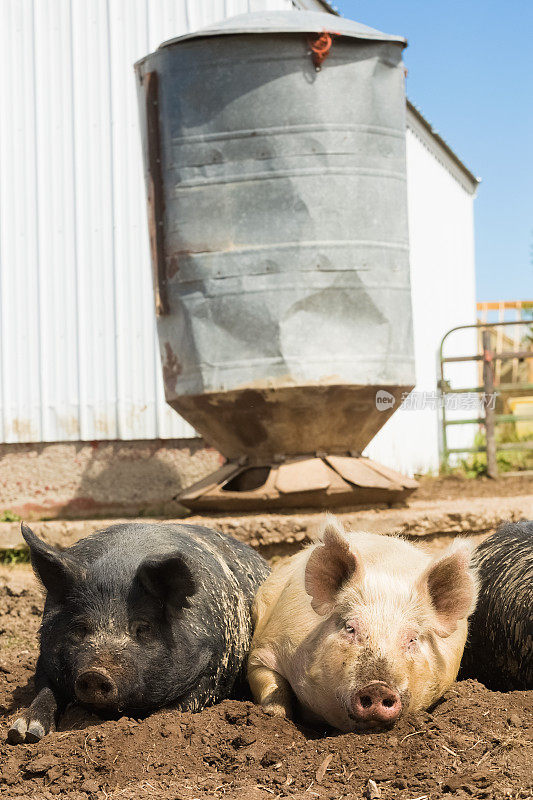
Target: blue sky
{"type": "Point", "coordinates": [471, 74]}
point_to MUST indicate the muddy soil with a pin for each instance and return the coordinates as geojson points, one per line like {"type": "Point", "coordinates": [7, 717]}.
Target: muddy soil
{"type": "Point", "coordinates": [474, 744]}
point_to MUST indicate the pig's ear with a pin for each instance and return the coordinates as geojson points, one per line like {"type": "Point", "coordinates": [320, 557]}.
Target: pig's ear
{"type": "Point", "coordinates": [450, 584]}
{"type": "Point", "coordinates": [169, 578]}
{"type": "Point", "coordinates": [329, 567]}
{"type": "Point", "coordinates": [58, 573]}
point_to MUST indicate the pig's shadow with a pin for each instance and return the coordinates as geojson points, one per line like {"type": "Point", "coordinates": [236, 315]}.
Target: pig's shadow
{"type": "Point", "coordinates": [315, 733]}
{"type": "Point", "coordinates": [76, 717]}
{"type": "Point", "coordinates": [124, 479]}
{"type": "Point", "coordinates": [21, 697]}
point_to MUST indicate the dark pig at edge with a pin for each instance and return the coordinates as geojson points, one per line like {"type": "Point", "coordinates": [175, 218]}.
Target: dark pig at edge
{"type": "Point", "coordinates": [138, 617]}
{"type": "Point", "coordinates": [499, 649]}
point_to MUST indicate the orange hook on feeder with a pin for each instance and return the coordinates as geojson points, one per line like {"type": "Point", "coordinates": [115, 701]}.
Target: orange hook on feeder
{"type": "Point", "coordinates": [321, 46]}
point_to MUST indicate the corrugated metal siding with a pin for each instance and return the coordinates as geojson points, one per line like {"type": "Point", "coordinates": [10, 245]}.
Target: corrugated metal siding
{"type": "Point", "coordinates": [78, 350]}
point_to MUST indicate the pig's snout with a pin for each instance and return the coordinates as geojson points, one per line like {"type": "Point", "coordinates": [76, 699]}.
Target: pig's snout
{"type": "Point", "coordinates": [96, 687]}
{"type": "Point", "coordinates": [375, 706]}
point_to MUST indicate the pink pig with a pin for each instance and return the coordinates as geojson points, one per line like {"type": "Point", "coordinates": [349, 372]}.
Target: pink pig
{"type": "Point", "coordinates": [359, 629]}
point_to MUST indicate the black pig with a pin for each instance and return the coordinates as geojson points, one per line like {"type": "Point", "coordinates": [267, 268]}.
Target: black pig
{"type": "Point", "coordinates": [499, 650]}
{"type": "Point", "coordinates": [138, 617]}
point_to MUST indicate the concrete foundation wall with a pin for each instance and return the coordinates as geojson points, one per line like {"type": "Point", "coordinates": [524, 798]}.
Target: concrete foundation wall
{"type": "Point", "coordinates": [94, 479]}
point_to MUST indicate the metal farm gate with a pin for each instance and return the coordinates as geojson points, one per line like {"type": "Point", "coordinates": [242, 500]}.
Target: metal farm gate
{"type": "Point", "coordinates": [496, 350]}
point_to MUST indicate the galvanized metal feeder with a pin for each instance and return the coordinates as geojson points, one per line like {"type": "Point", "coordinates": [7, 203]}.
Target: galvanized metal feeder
{"type": "Point", "coordinates": [275, 164]}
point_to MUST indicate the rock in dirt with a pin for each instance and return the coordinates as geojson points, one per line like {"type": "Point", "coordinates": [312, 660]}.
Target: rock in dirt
{"type": "Point", "coordinates": [54, 773]}
{"type": "Point", "coordinates": [90, 786]}
{"type": "Point", "coordinates": [400, 783]}
{"type": "Point", "coordinates": [40, 765]}
{"type": "Point", "coordinates": [321, 771]}
{"type": "Point", "coordinates": [455, 782]}
{"type": "Point", "coordinates": [372, 791]}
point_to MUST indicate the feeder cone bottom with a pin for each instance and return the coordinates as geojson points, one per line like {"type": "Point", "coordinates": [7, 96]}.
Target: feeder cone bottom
{"type": "Point", "coordinates": [308, 481]}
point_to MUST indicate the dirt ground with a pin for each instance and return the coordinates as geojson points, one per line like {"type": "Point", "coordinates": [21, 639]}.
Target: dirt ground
{"type": "Point", "coordinates": [450, 487]}
{"type": "Point", "coordinates": [474, 744]}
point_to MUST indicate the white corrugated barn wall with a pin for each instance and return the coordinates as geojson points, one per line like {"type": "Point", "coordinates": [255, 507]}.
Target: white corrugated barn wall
{"type": "Point", "coordinates": [441, 238]}
{"type": "Point", "coordinates": [78, 349]}
{"type": "Point", "coordinates": [78, 352]}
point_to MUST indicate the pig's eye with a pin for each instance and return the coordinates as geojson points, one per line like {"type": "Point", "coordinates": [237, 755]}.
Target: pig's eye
{"type": "Point", "coordinates": [141, 629]}
{"type": "Point", "coordinates": [80, 631]}
{"type": "Point", "coordinates": [412, 643]}
{"type": "Point", "coordinates": [349, 628]}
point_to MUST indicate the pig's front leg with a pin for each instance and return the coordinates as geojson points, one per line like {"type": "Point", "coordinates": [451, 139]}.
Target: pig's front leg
{"type": "Point", "coordinates": [270, 690]}
{"type": "Point", "coordinates": [40, 718]}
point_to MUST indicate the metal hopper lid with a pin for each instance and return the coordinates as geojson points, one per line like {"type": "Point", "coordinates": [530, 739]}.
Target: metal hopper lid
{"type": "Point", "coordinates": [289, 22]}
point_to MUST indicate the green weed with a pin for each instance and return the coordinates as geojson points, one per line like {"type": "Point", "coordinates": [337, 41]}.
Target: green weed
{"type": "Point", "coordinates": [9, 516]}
{"type": "Point", "coordinates": [15, 555]}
